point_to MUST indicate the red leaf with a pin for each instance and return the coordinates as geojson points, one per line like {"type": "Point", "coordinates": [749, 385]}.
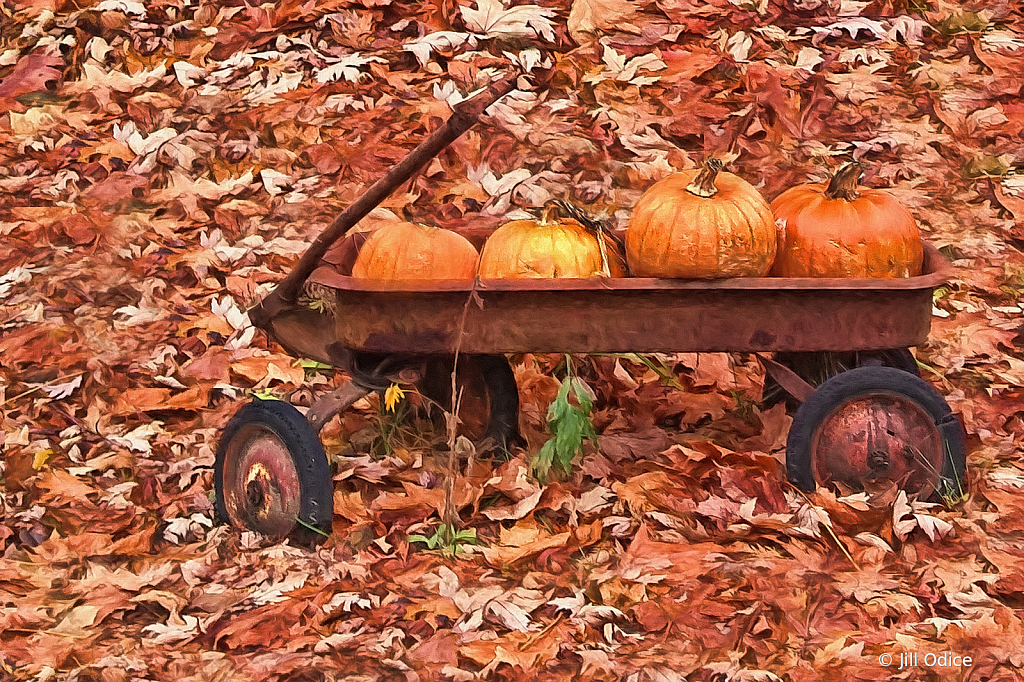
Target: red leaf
{"type": "Point", "coordinates": [78, 229]}
{"type": "Point", "coordinates": [31, 74]}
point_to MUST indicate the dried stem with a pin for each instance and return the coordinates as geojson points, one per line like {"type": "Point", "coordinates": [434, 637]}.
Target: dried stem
{"type": "Point", "coordinates": [704, 184]}
{"type": "Point", "coordinates": [591, 224]}
{"type": "Point", "coordinates": [451, 512]}
{"type": "Point", "coordinates": [843, 184]}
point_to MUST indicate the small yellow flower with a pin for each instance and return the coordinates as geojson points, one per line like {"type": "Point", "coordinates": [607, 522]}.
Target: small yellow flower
{"type": "Point", "coordinates": [392, 396]}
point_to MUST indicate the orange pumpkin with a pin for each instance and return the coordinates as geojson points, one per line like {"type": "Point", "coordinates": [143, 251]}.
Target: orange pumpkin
{"type": "Point", "coordinates": [551, 247]}
{"type": "Point", "coordinates": [402, 250]}
{"type": "Point", "coordinates": [701, 224]}
{"type": "Point", "coordinates": [836, 230]}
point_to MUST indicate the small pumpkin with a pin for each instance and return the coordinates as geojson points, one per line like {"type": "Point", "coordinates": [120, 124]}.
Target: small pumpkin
{"type": "Point", "coordinates": [404, 250]}
{"type": "Point", "coordinates": [701, 224]}
{"type": "Point", "coordinates": [551, 247]}
{"type": "Point", "coordinates": [838, 230]}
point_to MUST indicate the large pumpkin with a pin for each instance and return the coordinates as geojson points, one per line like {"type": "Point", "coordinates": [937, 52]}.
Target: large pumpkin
{"type": "Point", "coordinates": [701, 224]}
{"type": "Point", "coordinates": [402, 250]}
{"type": "Point", "coordinates": [838, 230]}
{"type": "Point", "coordinates": [548, 248]}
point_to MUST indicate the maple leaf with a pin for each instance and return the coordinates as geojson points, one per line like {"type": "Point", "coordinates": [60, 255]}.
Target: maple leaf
{"type": "Point", "coordinates": [60, 391]}
{"type": "Point", "coordinates": [583, 613]}
{"type": "Point", "coordinates": [176, 629]}
{"type": "Point", "coordinates": [1001, 39]}
{"type": "Point", "coordinates": [592, 16]}
{"type": "Point", "coordinates": [95, 77]}
{"type": "Point", "coordinates": [277, 85]}
{"type": "Point", "coordinates": [138, 438]}
{"type": "Point", "coordinates": [857, 86]}
{"type": "Point", "coordinates": [13, 277]}
{"type": "Point", "coordinates": [492, 19]}
{"type": "Point", "coordinates": [226, 309]}
{"type": "Point", "coordinates": [508, 614]}
{"type": "Point", "coordinates": [124, 6]}
{"type": "Point", "coordinates": [901, 510]}
{"type": "Point", "coordinates": [76, 622]}
{"type": "Point", "coordinates": [853, 26]}
{"type": "Point", "coordinates": [177, 530]}
{"type": "Point", "coordinates": [449, 93]}
{"type": "Point", "coordinates": [424, 46]}
{"type": "Point", "coordinates": [621, 69]}
{"type": "Point", "coordinates": [346, 601]}
{"type": "Point", "coordinates": [872, 540]}
{"type": "Point", "coordinates": [529, 59]}
{"type": "Point", "coordinates": [934, 527]}
{"type": "Point", "coordinates": [347, 68]}
{"type": "Point", "coordinates": [910, 28]}
{"type": "Point", "coordinates": [365, 468]}
{"type": "Point", "coordinates": [738, 46]}
{"type": "Point", "coordinates": [274, 181]}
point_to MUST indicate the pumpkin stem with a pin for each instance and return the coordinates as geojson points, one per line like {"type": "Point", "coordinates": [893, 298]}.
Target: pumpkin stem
{"type": "Point", "coordinates": [704, 184]}
{"type": "Point", "coordinates": [593, 225]}
{"type": "Point", "coordinates": [550, 212]}
{"type": "Point", "coordinates": [843, 184]}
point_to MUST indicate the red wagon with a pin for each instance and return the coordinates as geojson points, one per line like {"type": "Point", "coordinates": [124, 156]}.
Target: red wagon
{"type": "Point", "coordinates": [876, 421]}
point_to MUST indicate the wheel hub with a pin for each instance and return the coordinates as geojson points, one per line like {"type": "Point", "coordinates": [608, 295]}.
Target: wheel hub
{"type": "Point", "coordinates": [261, 484]}
{"type": "Point", "coordinates": [878, 438]}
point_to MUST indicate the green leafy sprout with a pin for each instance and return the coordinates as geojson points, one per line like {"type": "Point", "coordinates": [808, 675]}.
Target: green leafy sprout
{"type": "Point", "coordinates": [570, 425]}
{"type": "Point", "coordinates": [448, 539]}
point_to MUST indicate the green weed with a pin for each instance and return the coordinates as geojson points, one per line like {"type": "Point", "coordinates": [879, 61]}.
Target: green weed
{"type": "Point", "coordinates": [448, 539]}
{"type": "Point", "coordinates": [570, 425]}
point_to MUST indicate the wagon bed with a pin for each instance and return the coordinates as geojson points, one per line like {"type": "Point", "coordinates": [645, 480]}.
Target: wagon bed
{"type": "Point", "coordinates": [608, 315]}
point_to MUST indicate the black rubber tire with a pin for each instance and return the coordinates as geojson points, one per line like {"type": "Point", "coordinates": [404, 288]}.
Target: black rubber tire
{"type": "Point", "coordinates": [897, 358]}
{"type": "Point", "coordinates": [316, 489]}
{"type": "Point", "coordinates": [810, 366]}
{"type": "Point", "coordinates": [862, 381]}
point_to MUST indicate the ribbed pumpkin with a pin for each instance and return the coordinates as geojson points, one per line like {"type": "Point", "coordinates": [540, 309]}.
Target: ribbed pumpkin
{"type": "Point", "coordinates": [701, 224]}
{"type": "Point", "coordinates": [402, 250]}
{"type": "Point", "coordinates": [548, 248]}
{"type": "Point", "coordinates": [836, 230]}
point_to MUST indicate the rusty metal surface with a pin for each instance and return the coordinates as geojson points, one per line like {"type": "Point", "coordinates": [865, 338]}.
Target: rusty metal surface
{"type": "Point", "coordinates": [261, 484]}
{"type": "Point", "coordinates": [789, 380]}
{"type": "Point", "coordinates": [620, 315]}
{"type": "Point", "coordinates": [332, 403]}
{"type": "Point", "coordinates": [878, 438]}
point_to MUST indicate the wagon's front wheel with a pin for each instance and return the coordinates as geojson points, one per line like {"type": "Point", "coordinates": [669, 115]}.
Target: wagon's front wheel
{"type": "Point", "coordinates": [871, 425]}
{"type": "Point", "coordinates": [271, 474]}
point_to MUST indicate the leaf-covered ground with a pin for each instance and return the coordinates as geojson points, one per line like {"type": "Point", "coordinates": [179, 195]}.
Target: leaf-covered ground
{"type": "Point", "coordinates": [162, 164]}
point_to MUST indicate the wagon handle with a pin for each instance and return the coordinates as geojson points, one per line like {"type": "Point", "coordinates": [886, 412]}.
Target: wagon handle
{"type": "Point", "coordinates": [466, 115]}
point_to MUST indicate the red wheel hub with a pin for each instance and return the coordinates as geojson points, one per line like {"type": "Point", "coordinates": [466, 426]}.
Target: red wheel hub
{"type": "Point", "coordinates": [261, 484]}
{"type": "Point", "coordinates": [876, 438]}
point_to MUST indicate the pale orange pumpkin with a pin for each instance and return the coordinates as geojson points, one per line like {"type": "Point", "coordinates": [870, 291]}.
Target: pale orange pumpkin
{"type": "Point", "coordinates": [548, 248]}
{"type": "Point", "coordinates": [838, 230]}
{"type": "Point", "coordinates": [404, 251]}
{"type": "Point", "coordinates": [701, 224]}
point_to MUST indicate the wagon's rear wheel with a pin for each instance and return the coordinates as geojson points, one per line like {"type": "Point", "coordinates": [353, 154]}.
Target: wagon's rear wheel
{"type": "Point", "coordinates": [871, 425]}
{"type": "Point", "coordinates": [271, 474]}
